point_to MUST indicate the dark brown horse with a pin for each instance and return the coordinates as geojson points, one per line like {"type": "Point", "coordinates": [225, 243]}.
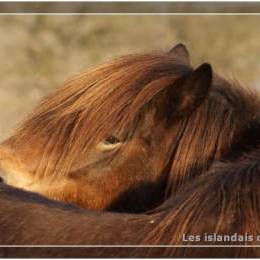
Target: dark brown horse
{"type": "Point", "coordinates": [142, 132]}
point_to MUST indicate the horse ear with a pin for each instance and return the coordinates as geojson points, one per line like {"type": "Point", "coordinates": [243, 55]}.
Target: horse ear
{"type": "Point", "coordinates": [181, 53]}
{"type": "Point", "coordinates": [189, 91]}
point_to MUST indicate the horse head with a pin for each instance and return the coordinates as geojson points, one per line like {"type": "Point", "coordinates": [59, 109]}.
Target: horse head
{"type": "Point", "coordinates": [126, 135]}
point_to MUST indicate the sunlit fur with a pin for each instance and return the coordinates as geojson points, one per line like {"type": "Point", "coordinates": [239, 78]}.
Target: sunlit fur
{"type": "Point", "coordinates": [89, 107]}
{"type": "Point", "coordinates": [54, 150]}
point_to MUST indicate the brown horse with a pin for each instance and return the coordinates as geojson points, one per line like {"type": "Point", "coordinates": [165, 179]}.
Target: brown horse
{"type": "Point", "coordinates": [105, 139]}
{"type": "Point", "coordinates": [142, 132]}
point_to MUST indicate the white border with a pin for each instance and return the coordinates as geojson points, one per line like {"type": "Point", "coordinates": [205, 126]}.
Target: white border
{"type": "Point", "coordinates": [132, 14]}
{"type": "Point", "coordinates": [86, 1]}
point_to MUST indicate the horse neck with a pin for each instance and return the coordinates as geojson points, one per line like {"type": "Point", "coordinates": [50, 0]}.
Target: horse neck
{"type": "Point", "coordinates": [218, 130]}
{"type": "Point", "coordinates": [247, 145]}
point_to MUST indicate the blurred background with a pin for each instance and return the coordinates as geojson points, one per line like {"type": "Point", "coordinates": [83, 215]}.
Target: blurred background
{"type": "Point", "coordinates": [38, 53]}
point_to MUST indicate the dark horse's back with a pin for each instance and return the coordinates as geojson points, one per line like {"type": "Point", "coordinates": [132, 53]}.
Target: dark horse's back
{"type": "Point", "coordinates": [30, 219]}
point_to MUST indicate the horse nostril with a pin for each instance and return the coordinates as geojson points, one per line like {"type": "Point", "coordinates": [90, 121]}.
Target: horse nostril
{"type": "Point", "coordinates": [1, 180]}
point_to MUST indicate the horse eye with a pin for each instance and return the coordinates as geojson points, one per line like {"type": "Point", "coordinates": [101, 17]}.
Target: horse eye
{"type": "Point", "coordinates": [112, 140]}
{"type": "Point", "coordinates": [109, 144]}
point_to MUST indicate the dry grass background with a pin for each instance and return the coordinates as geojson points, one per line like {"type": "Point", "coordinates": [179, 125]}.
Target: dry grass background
{"type": "Point", "coordinates": [37, 53]}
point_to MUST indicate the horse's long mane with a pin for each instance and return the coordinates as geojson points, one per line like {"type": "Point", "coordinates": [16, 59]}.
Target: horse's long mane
{"type": "Point", "coordinates": [90, 106]}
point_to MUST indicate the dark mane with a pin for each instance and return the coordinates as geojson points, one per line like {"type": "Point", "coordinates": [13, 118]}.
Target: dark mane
{"type": "Point", "coordinates": [223, 201]}
{"type": "Point", "coordinates": [213, 129]}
